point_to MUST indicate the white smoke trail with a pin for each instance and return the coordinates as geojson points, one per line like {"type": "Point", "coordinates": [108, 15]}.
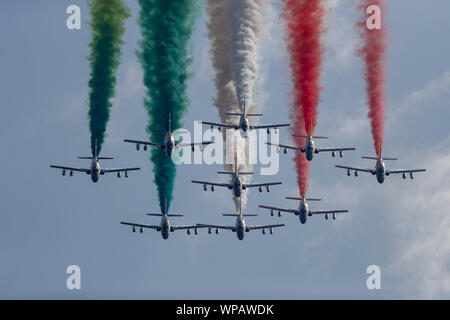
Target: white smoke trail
{"type": "Point", "coordinates": [235, 28]}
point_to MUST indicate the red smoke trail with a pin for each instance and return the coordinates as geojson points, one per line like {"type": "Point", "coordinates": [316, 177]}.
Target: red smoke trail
{"type": "Point", "coordinates": [304, 27]}
{"type": "Point", "coordinates": [373, 52]}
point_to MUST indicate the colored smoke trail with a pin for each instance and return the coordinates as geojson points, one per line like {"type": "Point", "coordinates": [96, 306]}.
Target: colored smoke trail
{"type": "Point", "coordinates": [235, 28]}
{"type": "Point", "coordinates": [107, 26]}
{"type": "Point", "coordinates": [165, 55]}
{"type": "Point", "coordinates": [373, 52]}
{"type": "Point", "coordinates": [304, 28]}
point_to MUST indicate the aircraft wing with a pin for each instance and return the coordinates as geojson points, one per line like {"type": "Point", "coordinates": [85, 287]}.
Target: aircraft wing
{"type": "Point", "coordinates": [251, 185]}
{"type": "Point", "coordinates": [286, 146]}
{"type": "Point", "coordinates": [265, 227]}
{"type": "Point", "coordinates": [226, 185]}
{"type": "Point", "coordinates": [327, 211]}
{"type": "Point", "coordinates": [356, 169]}
{"type": "Point", "coordinates": [404, 171]}
{"type": "Point", "coordinates": [294, 211]}
{"type": "Point", "coordinates": [187, 227]}
{"type": "Point", "coordinates": [148, 143]}
{"type": "Point", "coordinates": [223, 125]}
{"type": "Point", "coordinates": [333, 149]}
{"type": "Point", "coordinates": [266, 126]}
{"type": "Point", "coordinates": [193, 144]}
{"type": "Point", "coordinates": [118, 170]}
{"type": "Point", "coordinates": [141, 225]}
{"type": "Point", "coordinates": [215, 226]}
{"type": "Point", "coordinates": [71, 169]}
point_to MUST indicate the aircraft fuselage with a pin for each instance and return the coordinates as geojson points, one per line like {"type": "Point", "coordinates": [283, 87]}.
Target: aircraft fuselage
{"type": "Point", "coordinates": [303, 211]}
{"type": "Point", "coordinates": [165, 227]}
{"type": "Point", "coordinates": [309, 149]}
{"type": "Point", "coordinates": [169, 143]}
{"type": "Point", "coordinates": [95, 169]}
{"type": "Point", "coordinates": [244, 123]}
{"type": "Point", "coordinates": [237, 185]}
{"type": "Point", "coordinates": [380, 170]}
{"type": "Point", "coordinates": [240, 227]}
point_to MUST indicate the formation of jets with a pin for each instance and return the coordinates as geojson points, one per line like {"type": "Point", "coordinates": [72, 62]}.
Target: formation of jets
{"type": "Point", "coordinates": [236, 185]}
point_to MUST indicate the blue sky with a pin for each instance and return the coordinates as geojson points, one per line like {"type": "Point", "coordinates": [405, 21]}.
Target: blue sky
{"type": "Point", "coordinates": [49, 222]}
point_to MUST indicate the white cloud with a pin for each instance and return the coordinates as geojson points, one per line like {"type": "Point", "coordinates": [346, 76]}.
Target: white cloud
{"type": "Point", "coordinates": [422, 254]}
{"type": "Point", "coordinates": [423, 96]}
{"type": "Point", "coordinates": [340, 38]}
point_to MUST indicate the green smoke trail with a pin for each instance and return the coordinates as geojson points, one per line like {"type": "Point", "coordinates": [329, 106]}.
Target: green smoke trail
{"type": "Point", "coordinates": [107, 26]}
{"type": "Point", "coordinates": [165, 55]}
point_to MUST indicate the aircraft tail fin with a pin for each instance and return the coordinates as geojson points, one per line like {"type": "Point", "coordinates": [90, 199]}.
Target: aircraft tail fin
{"type": "Point", "coordinates": [310, 128]}
{"type": "Point", "coordinates": [309, 136]}
{"type": "Point", "coordinates": [170, 123]}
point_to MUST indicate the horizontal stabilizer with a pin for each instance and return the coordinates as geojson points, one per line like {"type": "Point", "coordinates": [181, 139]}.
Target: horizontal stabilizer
{"type": "Point", "coordinates": [375, 158]}
{"type": "Point", "coordinates": [233, 114]}
{"type": "Point", "coordinates": [307, 199]}
{"type": "Point", "coordinates": [160, 215]}
{"type": "Point", "coordinates": [254, 115]}
{"type": "Point", "coordinates": [306, 137]}
{"type": "Point", "coordinates": [99, 158]}
{"type": "Point", "coordinates": [236, 215]}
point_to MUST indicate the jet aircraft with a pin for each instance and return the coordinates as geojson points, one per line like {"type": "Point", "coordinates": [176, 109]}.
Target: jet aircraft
{"type": "Point", "coordinates": [236, 184]}
{"type": "Point", "coordinates": [310, 148]}
{"type": "Point", "coordinates": [240, 226]}
{"type": "Point", "coordinates": [380, 170]}
{"type": "Point", "coordinates": [95, 171]}
{"type": "Point", "coordinates": [244, 123]}
{"type": "Point", "coordinates": [164, 226]}
{"type": "Point", "coordinates": [169, 143]}
{"type": "Point", "coordinates": [303, 210]}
